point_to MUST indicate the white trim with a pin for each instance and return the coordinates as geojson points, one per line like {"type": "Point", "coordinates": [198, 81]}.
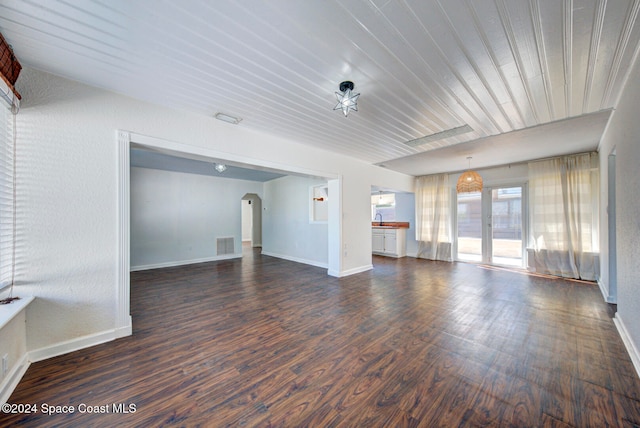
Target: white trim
{"type": "Point", "coordinates": [13, 378]}
{"type": "Point", "coordinates": [612, 264]}
{"type": "Point", "coordinates": [297, 259]}
{"type": "Point", "coordinates": [7, 313]}
{"type": "Point", "coordinates": [605, 294]}
{"type": "Point", "coordinates": [632, 349]}
{"type": "Point", "coordinates": [58, 349]}
{"type": "Point", "coordinates": [352, 271]}
{"type": "Point", "coordinates": [185, 262]}
{"type": "Point", "coordinates": [334, 228]}
{"type": "Point", "coordinates": [10, 310]}
{"type": "Point", "coordinates": [67, 346]}
{"type": "Point", "coordinates": [124, 331]}
{"type": "Point", "coordinates": [123, 313]}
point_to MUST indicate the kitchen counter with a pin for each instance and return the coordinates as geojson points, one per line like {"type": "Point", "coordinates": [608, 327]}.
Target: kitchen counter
{"type": "Point", "coordinates": [390, 225]}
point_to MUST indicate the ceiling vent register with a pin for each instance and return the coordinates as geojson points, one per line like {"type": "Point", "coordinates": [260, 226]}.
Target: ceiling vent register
{"type": "Point", "coordinates": [439, 136]}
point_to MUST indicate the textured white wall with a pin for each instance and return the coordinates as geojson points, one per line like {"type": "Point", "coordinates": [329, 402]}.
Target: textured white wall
{"type": "Point", "coordinates": [67, 187]}
{"type": "Point", "coordinates": [286, 230]}
{"type": "Point", "coordinates": [176, 217]}
{"type": "Point", "coordinates": [623, 134]}
{"type": "Point", "coordinates": [66, 171]}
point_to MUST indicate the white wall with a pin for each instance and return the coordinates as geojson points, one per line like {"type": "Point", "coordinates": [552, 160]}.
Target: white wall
{"type": "Point", "coordinates": [286, 228]}
{"type": "Point", "coordinates": [67, 197]}
{"type": "Point", "coordinates": [176, 217]}
{"type": "Point", "coordinates": [247, 221]}
{"type": "Point", "coordinates": [623, 134]}
{"type": "Point", "coordinates": [406, 211]}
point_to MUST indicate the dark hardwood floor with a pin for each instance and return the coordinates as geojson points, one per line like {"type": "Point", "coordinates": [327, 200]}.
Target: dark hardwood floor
{"type": "Point", "coordinates": [267, 342]}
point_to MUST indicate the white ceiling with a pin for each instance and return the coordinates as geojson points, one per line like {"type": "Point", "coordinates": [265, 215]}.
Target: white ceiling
{"type": "Point", "coordinates": [422, 67]}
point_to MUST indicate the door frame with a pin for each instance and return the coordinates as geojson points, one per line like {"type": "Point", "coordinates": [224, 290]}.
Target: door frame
{"type": "Point", "coordinates": [124, 140]}
{"type": "Point", "coordinates": [486, 214]}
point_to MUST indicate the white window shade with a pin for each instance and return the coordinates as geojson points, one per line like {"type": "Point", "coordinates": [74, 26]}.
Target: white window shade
{"type": "Point", "coordinates": [7, 223]}
{"type": "Point", "coordinates": [8, 97]}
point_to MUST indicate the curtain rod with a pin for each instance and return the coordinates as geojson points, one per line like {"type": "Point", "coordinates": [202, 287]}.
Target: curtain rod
{"type": "Point", "coordinates": [512, 164]}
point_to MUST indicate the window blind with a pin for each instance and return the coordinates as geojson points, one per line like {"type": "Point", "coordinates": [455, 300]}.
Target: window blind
{"type": "Point", "coordinates": [7, 220]}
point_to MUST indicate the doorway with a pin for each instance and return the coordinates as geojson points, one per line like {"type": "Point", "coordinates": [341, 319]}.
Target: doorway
{"type": "Point", "coordinates": [125, 139]}
{"type": "Point", "coordinates": [247, 223]}
{"type": "Point", "coordinates": [490, 226]}
{"type": "Point", "coordinates": [252, 219]}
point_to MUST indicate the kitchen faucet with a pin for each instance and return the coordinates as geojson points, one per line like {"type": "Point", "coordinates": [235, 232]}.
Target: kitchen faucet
{"type": "Point", "coordinates": [378, 214]}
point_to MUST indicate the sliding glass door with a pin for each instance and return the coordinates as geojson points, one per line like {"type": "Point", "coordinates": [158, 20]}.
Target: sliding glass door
{"type": "Point", "coordinates": [505, 228]}
{"type": "Point", "coordinates": [490, 227]}
{"type": "Point", "coordinates": [470, 227]}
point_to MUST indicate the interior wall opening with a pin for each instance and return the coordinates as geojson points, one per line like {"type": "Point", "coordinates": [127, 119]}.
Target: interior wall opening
{"type": "Point", "coordinates": [126, 141]}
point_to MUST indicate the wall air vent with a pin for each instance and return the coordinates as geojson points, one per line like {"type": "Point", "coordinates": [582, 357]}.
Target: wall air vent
{"type": "Point", "coordinates": [439, 136]}
{"type": "Point", "coordinates": [225, 246]}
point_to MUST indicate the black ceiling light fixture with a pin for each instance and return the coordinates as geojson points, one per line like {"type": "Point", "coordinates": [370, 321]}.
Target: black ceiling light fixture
{"type": "Point", "coordinates": [347, 99]}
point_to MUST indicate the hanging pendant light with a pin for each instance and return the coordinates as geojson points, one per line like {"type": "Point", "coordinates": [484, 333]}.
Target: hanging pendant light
{"type": "Point", "coordinates": [469, 181]}
{"type": "Point", "coordinates": [347, 100]}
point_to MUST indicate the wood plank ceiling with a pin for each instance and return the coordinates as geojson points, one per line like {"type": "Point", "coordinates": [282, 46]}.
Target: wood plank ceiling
{"type": "Point", "coordinates": [422, 67]}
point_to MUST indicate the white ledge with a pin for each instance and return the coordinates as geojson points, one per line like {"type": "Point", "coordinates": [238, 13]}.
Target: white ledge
{"type": "Point", "coordinates": [10, 310]}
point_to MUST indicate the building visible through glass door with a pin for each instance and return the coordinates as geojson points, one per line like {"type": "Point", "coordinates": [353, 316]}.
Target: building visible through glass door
{"type": "Point", "coordinates": [491, 231]}
{"type": "Point", "coordinates": [470, 227]}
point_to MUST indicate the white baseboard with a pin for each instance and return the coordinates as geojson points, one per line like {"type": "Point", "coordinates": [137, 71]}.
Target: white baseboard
{"type": "Point", "coordinates": [297, 259]}
{"type": "Point", "coordinates": [632, 349]}
{"type": "Point", "coordinates": [605, 292]}
{"type": "Point", "coordinates": [352, 271]}
{"type": "Point", "coordinates": [185, 262]}
{"type": "Point", "coordinates": [15, 375]}
{"type": "Point", "coordinates": [13, 378]}
{"type": "Point", "coordinates": [74, 345]}
{"type": "Point", "coordinates": [124, 331]}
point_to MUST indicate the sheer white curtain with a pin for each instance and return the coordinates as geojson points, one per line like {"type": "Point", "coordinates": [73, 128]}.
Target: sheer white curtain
{"type": "Point", "coordinates": [563, 201]}
{"type": "Point", "coordinates": [433, 217]}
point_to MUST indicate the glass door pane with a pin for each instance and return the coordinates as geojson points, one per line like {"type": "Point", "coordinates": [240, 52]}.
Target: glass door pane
{"type": "Point", "coordinates": [506, 226]}
{"type": "Point", "coordinates": [470, 227]}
